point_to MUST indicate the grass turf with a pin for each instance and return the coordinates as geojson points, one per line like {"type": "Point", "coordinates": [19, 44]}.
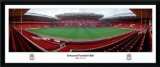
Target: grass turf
{"type": "Point", "coordinates": [79, 33]}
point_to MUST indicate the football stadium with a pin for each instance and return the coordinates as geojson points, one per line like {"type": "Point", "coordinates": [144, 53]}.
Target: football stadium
{"type": "Point", "coordinates": [80, 30]}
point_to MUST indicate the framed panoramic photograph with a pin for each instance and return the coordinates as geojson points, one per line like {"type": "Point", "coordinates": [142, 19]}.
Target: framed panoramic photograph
{"type": "Point", "coordinates": [60, 34]}
{"type": "Point", "coordinates": [80, 34]}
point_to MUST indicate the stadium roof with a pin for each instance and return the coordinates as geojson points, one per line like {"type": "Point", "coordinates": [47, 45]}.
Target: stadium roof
{"type": "Point", "coordinates": [107, 12]}
{"type": "Point", "coordinates": [40, 15]}
{"type": "Point", "coordinates": [142, 13]}
{"type": "Point", "coordinates": [82, 14]}
{"type": "Point", "coordinates": [17, 12]}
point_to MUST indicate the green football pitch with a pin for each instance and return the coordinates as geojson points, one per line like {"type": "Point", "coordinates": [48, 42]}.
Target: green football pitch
{"type": "Point", "coordinates": [79, 33]}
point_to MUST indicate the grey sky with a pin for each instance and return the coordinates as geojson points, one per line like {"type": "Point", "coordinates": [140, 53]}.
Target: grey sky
{"type": "Point", "coordinates": [107, 12]}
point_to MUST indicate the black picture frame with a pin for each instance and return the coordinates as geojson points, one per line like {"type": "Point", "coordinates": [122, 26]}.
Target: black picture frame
{"type": "Point", "coordinates": [3, 3]}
